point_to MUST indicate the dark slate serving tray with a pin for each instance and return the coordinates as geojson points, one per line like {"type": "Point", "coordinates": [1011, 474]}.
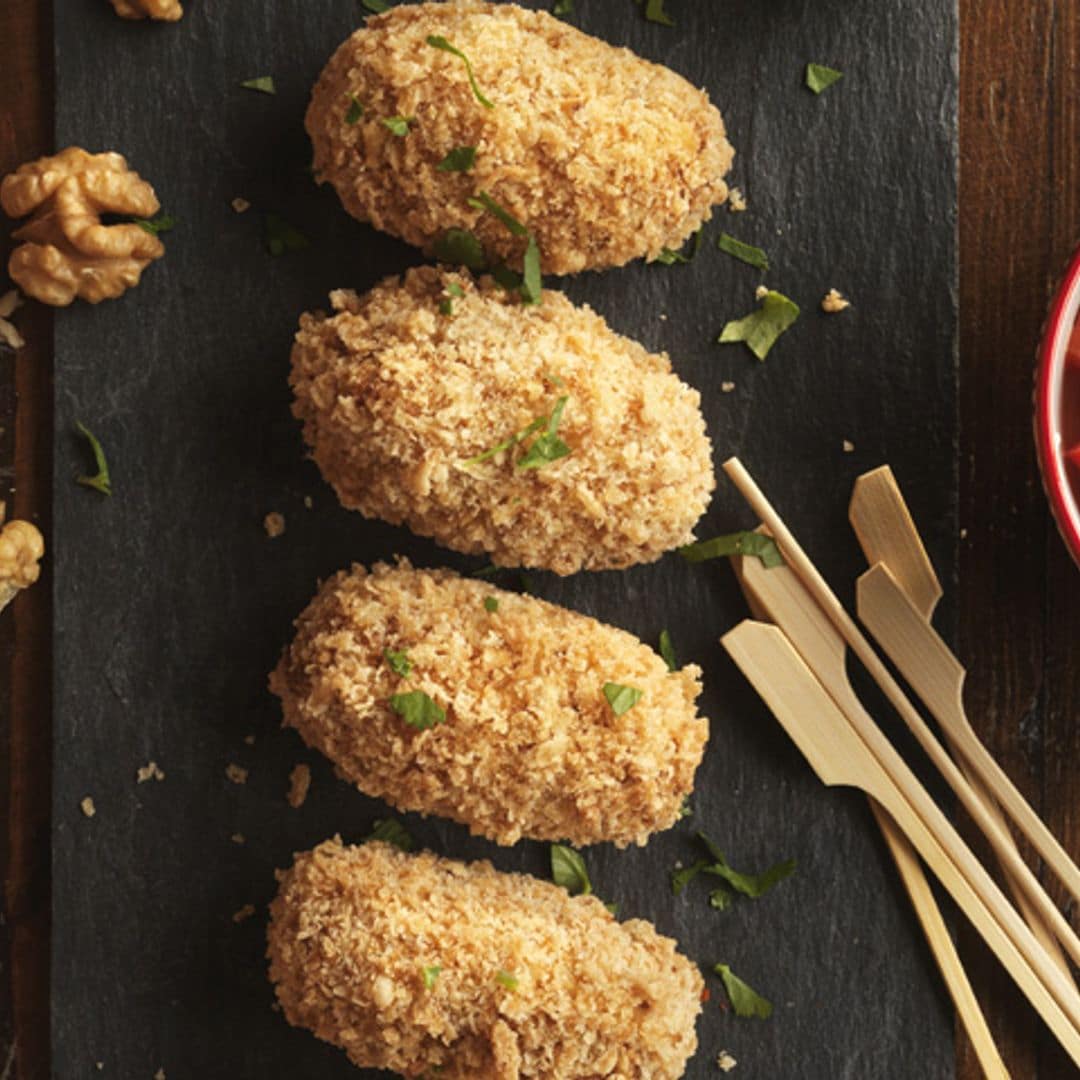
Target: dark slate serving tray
{"type": "Point", "coordinates": [172, 604]}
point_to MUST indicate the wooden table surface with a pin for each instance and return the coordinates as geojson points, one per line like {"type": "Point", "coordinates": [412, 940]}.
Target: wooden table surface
{"type": "Point", "coordinates": [1019, 598]}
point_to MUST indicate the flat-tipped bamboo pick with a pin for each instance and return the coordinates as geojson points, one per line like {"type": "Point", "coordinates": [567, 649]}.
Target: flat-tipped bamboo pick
{"type": "Point", "coordinates": [887, 535]}
{"type": "Point", "coordinates": [819, 592]}
{"type": "Point", "coordinates": [839, 757]}
{"type": "Point", "coordinates": [918, 890]}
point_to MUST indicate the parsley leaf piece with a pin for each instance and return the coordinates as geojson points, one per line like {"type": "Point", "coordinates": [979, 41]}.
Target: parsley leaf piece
{"type": "Point", "coordinates": [746, 253]}
{"type": "Point", "coordinates": [744, 999]}
{"type": "Point", "coordinates": [654, 12]}
{"type": "Point", "coordinates": [162, 223]}
{"type": "Point", "coordinates": [752, 885]}
{"type": "Point", "coordinates": [462, 247]}
{"type": "Point", "coordinates": [460, 159]}
{"type": "Point", "coordinates": [446, 307]}
{"type": "Point", "coordinates": [391, 831]}
{"type": "Point", "coordinates": [431, 976]}
{"type": "Point", "coordinates": [563, 7]}
{"type": "Point", "coordinates": [355, 111]}
{"type": "Point", "coordinates": [438, 42]}
{"type": "Point", "coordinates": [398, 125]}
{"type": "Point", "coordinates": [417, 710]}
{"type": "Point", "coordinates": [483, 201]}
{"type": "Point", "coordinates": [667, 651]}
{"type": "Point", "coordinates": [667, 257]}
{"type": "Point", "coordinates": [532, 285]}
{"type": "Point", "coordinates": [376, 6]}
{"type": "Point", "coordinates": [621, 698]}
{"type": "Point", "coordinates": [819, 77]}
{"type": "Point", "coordinates": [506, 444]}
{"type": "Point", "coordinates": [509, 279]}
{"type": "Point", "coordinates": [761, 329]}
{"type": "Point", "coordinates": [547, 447]}
{"type": "Point", "coordinates": [682, 877]}
{"type": "Point", "coordinates": [721, 899]}
{"type": "Point", "coordinates": [737, 543]}
{"type": "Point", "coordinates": [281, 237]}
{"type": "Point", "coordinates": [686, 810]}
{"type": "Point", "coordinates": [264, 84]}
{"type": "Point", "coordinates": [568, 870]}
{"type": "Point", "coordinates": [504, 978]}
{"type": "Point", "coordinates": [491, 603]}
{"type": "Point", "coordinates": [399, 662]}
{"type": "Point", "coordinates": [100, 480]}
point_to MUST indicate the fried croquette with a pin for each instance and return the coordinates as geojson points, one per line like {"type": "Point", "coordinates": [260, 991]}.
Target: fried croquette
{"type": "Point", "coordinates": [529, 743]}
{"type": "Point", "coordinates": [427, 966]}
{"type": "Point", "coordinates": [602, 156]}
{"type": "Point", "coordinates": [451, 423]}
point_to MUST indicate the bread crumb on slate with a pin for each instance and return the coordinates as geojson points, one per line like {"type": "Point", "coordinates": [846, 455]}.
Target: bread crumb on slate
{"type": "Point", "coordinates": [299, 782]}
{"type": "Point", "coordinates": [159, 1075]}
{"type": "Point", "coordinates": [725, 1062]}
{"type": "Point", "coordinates": [963, 534]}
{"type": "Point", "coordinates": [308, 502]}
{"type": "Point", "coordinates": [87, 806]}
{"type": "Point", "coordinates": [238, 838]}
{"type": "Point", "coordinates": [249, 740]}
{"type": "Point", "coordinates": [761, 292]}
{"type": "Point", "coordinates": [274, 524]}
{"type": "Point", "coordinates": [149, 771]}
{"type": "Point", "coordinates": [849, 446]}
{"type": "Point", "coordinates": [727, 387]}
{"type": "Point", "coordinates": [236, 774]}
{"type": "Point", "coordinates": [834, 302]}
{"type": "Point", "coordinates": [8, 334]}
{"type": "Point", "coordinates": [736, 201]}
{"type": "Point", "coordinates": [99, 1065]}
{"type": "Point", "coordinates": [240, 204]}
{"type": "Point", "coordinates": [244, 913]}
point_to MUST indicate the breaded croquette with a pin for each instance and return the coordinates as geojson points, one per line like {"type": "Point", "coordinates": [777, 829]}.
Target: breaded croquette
{"type": "Point", "coordinates": [430, 967]}
{"type": "Point", "coordinates": [529, 742]}
{"type": "Point", "coordinates": [603, 156]}
{"type": "Point", "coordinates": [533, 433]}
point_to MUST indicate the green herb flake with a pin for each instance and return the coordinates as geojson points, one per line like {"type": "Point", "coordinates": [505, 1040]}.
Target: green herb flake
{"type": "Point", "coordinates": [460, 247]}
{"type": "Point", "coordinates": [355, 110]}
{"type": "Point", "coordinates": [621, 698]}
{"type": "Point", "coordinates": [532, 284]}
{"type": "Point", "coordinates": [686, 810]}
{"type": "Point", "coordinates": [751, 885]}
{"type": "Point", "coordinates": [399, 662]}
{"type": "Point", "coordinates": [417, 710]}
{"type": "Point", "coordinates": [563, 7]}
{"type": "Point", "coordinates": [683, 875]}
{"type": "Point", "coordinates": [162, 223]}
{"type": "Point", "coordinates": [721, 899]}
{"type": "Point", "coordinates": [667, 257]}
{"type": "Point", "coordinates": [491, 603]}
{"type": "Point", "coordinates": [377, 7]}
{"type": "Point", "coordinates": [746, 253]}
{"type": "Point", "coordinates": [744, 999]}
{"type": "Point", "coordinates": [819, 77]}
{"type": "Point", "coordinates": [761, 329]}
{"type": "Point", "coordinates": [506, 444]}
{"type": "Point", "coordinates": [654, 12]}
{"type": "Point", "coordinates": [568, 870]}
{"type": "Point", "coordinates": [548, 447]}
{"type": "Point", "coordinates": [100, 480]}
{"type": "Point", "coordinates": [438, 42]}
{"type": "Point", "coordinates": [483, 201]}
{"type": "Point", "coordinates": [504, 978]}
{"type": "Point", "coordinates": [667, 651]}
{"type": "Point", "coordinates": [455, 291]}
{"type": "Point", "coordinates": [398, 125]}
{"type": "Point", "coordinates": [739, 543]}
{"type": "Point", "coordinates": [391, 831]}
{"type": "Point", "coordinates": [460, 159]}
{"type": "Point", "coordinates": [281, 237]}
{"type": "Point", "coordinates": [431, 976]}
{"type": "Point", "coordinates": [264, 84]}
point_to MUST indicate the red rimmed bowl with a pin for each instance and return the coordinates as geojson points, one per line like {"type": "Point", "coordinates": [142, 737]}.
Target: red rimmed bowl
{"type": "Point", "coordinates": [1057, 407]}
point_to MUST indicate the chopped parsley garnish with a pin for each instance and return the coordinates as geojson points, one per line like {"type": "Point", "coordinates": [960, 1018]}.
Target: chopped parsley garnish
{"type": "Point", "coordinates": [446, 307]}
{"type": "Point", "coordinates": [355, 111]}
{"type": "Point", "coordinates": [417, 710]}
{"type": "Point", "coordinates": [686, 810]}
{"type": "Point", "coordinates": [377, 6]}
{"type": "Point", "coordinates": [721, 899]}
{"type": "Point", "coordinates": [738, 543]}
{"type": "Point", "coordinates": [682, 876]}
{"type": "Point", "coordinates": [398, 125]}
{"type": "Point", "coordinates": [667, 651]}
{"type": "Point", "coordinates": [491, 603]}
{"type": "Point", "coordinates": [654, 12]}
{"type": "Point", "coordinates": [264, 84]}
{"type": "Point", "coordinates": [162, 223]}
{"type": "Point", "coordinates": [761, 329]}
{"type": "Point", "coordinates": [532, 285]}
{"type": "Point", "coordinates": [399, 662]}
{"type": "Point", "coordinates": [431, 976]}
{"type": "Point", "coordinates": [460, 246]}
{"type": "Point", "coordinates": [504, 978]}
{"type": "Point", "coordinates": [483, 201]}
{"type": "Point", "coordinates": [667, 257]}
{"type": "Point", "coordinates": [621, 698]}
{"type": "Point", "coordinates": [281, 237]}
{"type": "Point", "coordinates": [391, 831]}
{"type": "Point", "coordinates": [100, 480]}
{"type": "Point", "coordinates": [460, 159]}
{"type": "Point", "coordinates": [563, 7]}
{"type": "Point", "coordinates": [751, 885]}
{"type": "Point", "coordinates": [819, 77]}
{"type": "Point", "coordinates": [547, 447]}
{"type": "Point", "coordinates": [568, 870]}
{"type": "Point", "coordinates": [747, 253]}
{"type": "Point", "coordinates": [744, 999]}
{"type": "Point", "coordinates": [438, 42]}
{"type": "Point", "coordinates": [529, 283]}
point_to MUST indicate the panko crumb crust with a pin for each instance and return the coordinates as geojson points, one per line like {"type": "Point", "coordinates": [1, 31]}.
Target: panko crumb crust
{"type": "Point", "coordinates": [530, 746]}
{"type": "Point", "coordinates": [396, 397]}
{"type": "Point", "coordinates": [604, 156]}
{"type": "Point", "coordinates": [353, 928]}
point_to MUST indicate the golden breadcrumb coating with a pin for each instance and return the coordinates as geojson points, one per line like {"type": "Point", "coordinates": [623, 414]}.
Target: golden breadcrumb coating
{"type": "Point", "coordinates": [530, 746]}
{"type": "Point", "coordinates": [21, 549]}
{"type": "Point", "coordinates": [532, 982]}
{"type": "Point", "coordinates": [604, 156]}
{"type": "Point", "coordinates": [397, 398]}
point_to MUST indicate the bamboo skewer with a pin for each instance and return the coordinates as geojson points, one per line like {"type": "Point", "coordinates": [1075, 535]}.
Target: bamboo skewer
{"type": "Point", "coordinates": [887, 535]}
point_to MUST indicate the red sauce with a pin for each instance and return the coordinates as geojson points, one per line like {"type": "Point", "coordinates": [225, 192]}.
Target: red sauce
{"type": "Point", "coordinates": [1070, 408]}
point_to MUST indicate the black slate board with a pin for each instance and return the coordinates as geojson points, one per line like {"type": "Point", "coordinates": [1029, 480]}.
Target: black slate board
{"type": "Point", "coordinates": [172, 605]}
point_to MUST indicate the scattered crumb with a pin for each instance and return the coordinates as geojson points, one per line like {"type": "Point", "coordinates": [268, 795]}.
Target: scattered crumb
{"type": "Point", "coordinates": [236, 774]}
{"type": "Point", "coordinates": [663, 316]}
{"type": "Point", "coordinates": [725, 1062]}
{"type": "Point", "coordinates": [99, 1065]}
{"type": "Point", "coordinates": [833, 302]}
{"type": "Point", "coordinates": [238, 838]}
{"type": "Point", "coordinates": [963, 534]}
{"type": "Point", "coordinates": [308, 502]}
{"type": "Point", "coordinates": [849, 446]}
{"type": "Point", "coordinates": [249, 740]}
{"type": "Point", "coordinates": [761, 292]}
{"type": "Point", "coordinates": [736, 201]}
{"type": "Point", "coordinates": [8, 334]}
{"type": "Point", "coordinates": [159, 1075]}
{"type": "Point", "coordinates": [299, 782]}
{"type": "Point", "coordinates": [240, 204]}
{"type": "Point", "coordinates": [727, 387]}
{"type": "Point", "coordinates": [244, 913]}
{"type": "Point", "coordinates": [87, 806]}
{"type": "Point", "coordinates": [274, 524]}
{"type": "Point", "coordinates": [149, 771]}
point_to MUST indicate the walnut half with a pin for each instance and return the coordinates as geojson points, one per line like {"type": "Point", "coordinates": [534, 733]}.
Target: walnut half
{"type": "Point", "coordinates": [169, 10]}
{"type": "Point", "coordinates": [21, 546]}
{"type": "Point", "coordinates": [68, 251]}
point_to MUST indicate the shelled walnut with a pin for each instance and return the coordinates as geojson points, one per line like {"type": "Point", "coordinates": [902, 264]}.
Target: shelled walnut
{"type": "Point", "coordinates": [21, 546]}
{"type": "Point", "coordinates": [68, 250]}
{"type": "Point", "coordinates": [168, 10]}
